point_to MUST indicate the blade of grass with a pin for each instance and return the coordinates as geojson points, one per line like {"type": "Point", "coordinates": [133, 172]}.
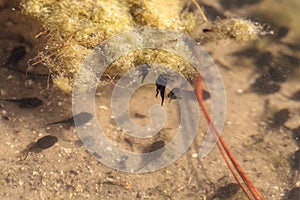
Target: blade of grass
{"type": "Point", "coordinates": [223, 147]}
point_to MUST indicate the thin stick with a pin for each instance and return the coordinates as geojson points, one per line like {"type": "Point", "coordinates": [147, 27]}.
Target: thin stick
{"type": "Point", "coordinates": [223, 147]}
{"type": "Point", "coordinates": [200, 10]}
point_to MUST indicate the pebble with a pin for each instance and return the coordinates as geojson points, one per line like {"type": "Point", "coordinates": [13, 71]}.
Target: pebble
{"type": "Point", "coordinates": [4, 112]}
{"type": "Point", "coordinates": [194, 155]}
{"type": "Point", "coordinates": [240, 91]}
{"type": "Point", "coordinates": [109, 148]}
{"type": "Point", "coordinates": [103, 107]}
{"type": "Point", "coordinates": [67, 150]}
{"type": "Point", "coordinates": [9, 77]}
{"type": "Point", "coordinates": [3, 92]}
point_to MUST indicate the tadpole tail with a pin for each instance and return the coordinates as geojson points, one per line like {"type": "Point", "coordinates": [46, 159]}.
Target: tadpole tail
{"type": "Point", "coordinates": [26, 155]}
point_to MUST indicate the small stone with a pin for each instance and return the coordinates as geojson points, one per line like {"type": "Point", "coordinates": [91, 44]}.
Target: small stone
{"type": "Point", "coordinates": [109, 148]}
{"type": "Point", "coordinates": [240, 91]}
{"type": "Point", "coordinates": [29, 83]}
{"type": "Point", "coordinates": [2, 92]}
{"type": "Point", "coordinates": [103, 107]}
{"type": "Point", "coordinates": [35, 173]}
{"type": "Point", "coordinates": [9, 77]}
{"type": "Point", "coordinates": [67, 150]}
{"type": "Point", "coordinates": [194, 155]}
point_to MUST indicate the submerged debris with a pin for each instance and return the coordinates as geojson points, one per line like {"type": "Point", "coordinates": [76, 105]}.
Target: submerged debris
{"type": "Point", "coordinates": [41, 144]}
{"type": "Point", "coordinates": [31, 102]}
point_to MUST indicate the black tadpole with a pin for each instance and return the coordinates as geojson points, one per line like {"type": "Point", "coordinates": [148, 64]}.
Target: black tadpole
{"type": "Point", "coordinates": [161, 83]}
{"type": "Point", "coordinates": [296, 133]}
{"type": "Point", "coordinates": [31, 102]}
{"type": "Point", "coordinates": [264, 85]}
{"type": "Point", "coordinates": [16, 55]}
{"type": "Point", "coordinates": [293, 194]}
{"type": "Point", "coordinates": [146, 158]}
{"type": "Point", "coordinates": [175, 93]}
{"type": "Point", "coordinates": [80, 119]}
{"type": "Point", "coordinates": [296, 96]}
{"type": "Point", "coordinates": [279, 118]}
{"type": "Point", "coordinates": [41, 144]}
{"type": "Point", "coordinates": [144, 71]}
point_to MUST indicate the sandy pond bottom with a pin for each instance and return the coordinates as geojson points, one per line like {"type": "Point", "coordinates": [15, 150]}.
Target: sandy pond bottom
{"type": "Point", "coordinates": [267, 152]}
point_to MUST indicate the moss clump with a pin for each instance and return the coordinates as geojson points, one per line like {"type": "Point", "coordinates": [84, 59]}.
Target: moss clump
{"type": "Point", "coordinates": [239, 30]}
{"type": "Point", "coordinates": [73, 28]}
{"type": "Point", "coordinates": [163, 14]}
{"type": "Point", "coordinates": [153, 57]}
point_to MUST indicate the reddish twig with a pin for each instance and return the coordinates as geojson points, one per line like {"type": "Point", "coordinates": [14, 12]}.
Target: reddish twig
{"type": "Point", "coordinates": [225, 151]}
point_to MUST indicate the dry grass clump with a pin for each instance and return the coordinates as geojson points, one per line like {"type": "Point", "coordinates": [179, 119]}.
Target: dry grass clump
{"type": "Point", "coordinates": [239, 30]}
{"type": "Point", "coordinates": [74, 27]}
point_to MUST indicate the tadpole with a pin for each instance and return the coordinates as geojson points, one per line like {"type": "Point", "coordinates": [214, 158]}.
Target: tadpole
{"type": "Point", "coordinates": [16, 55]}
{"type": "Point", "coordinates": [294, 194]}
{"type": "Point", "coordinates": [269, 81]}
{"type": "Point", "coordinates": [279, 118]}
{"type": "Point", "coordinates": [226, 191]}
{"type": "Point", "coordinates": [282, 32]}
{"type": "Point", "coordinates": [41, 144]}
{"type": "Point", "coordinates": [296, 160]}
{"type": "Point", "coordinates": [80, 119]}
{"type": "Point", "coordinates": [30, 102]}
{"type": "Point", "coordinates": [296, 96]}
{"type": "Point", "coordinates": [154, 146]}
{"type": "Point", "coordinates": [175, 93]}
{"type": "Point", "coordinates": [277, 73]}
{"type": "Point", "coordinates": [144, 71]}
{"type": "Point", "coordinates": [161, 83]}
{"type": "Point", "coordinates": [205, 95]}
{"type": "Point", "coordinates": [296, 134]}
{"type": "Point", "coordinates": [147, 158]}
{"type": "Point", "coordinates": [264, 85]}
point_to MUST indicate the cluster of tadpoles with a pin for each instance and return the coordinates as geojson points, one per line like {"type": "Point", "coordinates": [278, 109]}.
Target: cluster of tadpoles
{"type": "Point", "coordinates": [47, 141]}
